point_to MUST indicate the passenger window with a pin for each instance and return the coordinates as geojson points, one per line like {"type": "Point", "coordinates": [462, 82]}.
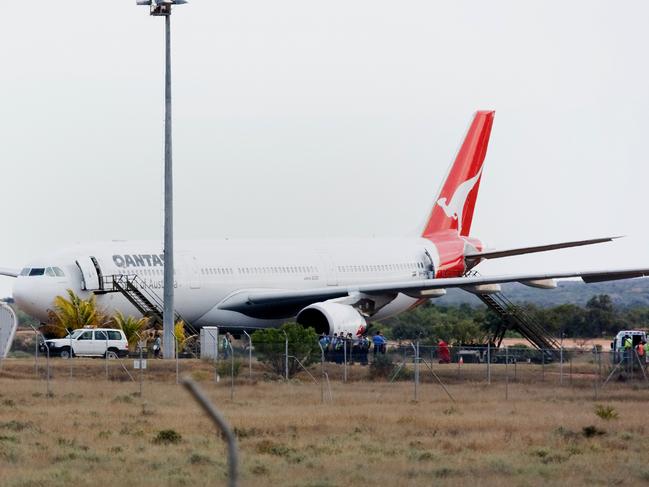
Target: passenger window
{"type": "Point", "coordinates": [114, 335]}
{"type": "Point", "coordinates": [100, 335]}
{"type": "Point", "coordinates": [38, 271]}
{"type": "Point", "coordinates": [86, 335]}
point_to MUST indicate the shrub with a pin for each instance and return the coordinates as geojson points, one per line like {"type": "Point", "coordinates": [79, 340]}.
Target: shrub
{"type": "Point", "coordinates": [225, 367]}
{"type": "Point", "coordinates": [270, 347]}
{"type": "Point", "coordinates": [167, 437]}
{"type": "Point", "coordinates": [606, 412]}
{"type": "Point", "coordinates": [381, 367]}
{"type": "Point", "coordinates": [590, 431]}
{"type": "Point", "coordinates": [271, 448]}
{"type": "Point", "coordinates": [199, 459]}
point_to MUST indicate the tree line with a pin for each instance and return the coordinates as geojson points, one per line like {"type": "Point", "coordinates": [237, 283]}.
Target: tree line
{"type": "Point", "coordinates": [468, 324]}
{"type": "Point", "coordinates": [431, 322]}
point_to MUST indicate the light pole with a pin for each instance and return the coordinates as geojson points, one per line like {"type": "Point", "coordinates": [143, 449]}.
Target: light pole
{"type": "Point", "coordinates": [162, 8]}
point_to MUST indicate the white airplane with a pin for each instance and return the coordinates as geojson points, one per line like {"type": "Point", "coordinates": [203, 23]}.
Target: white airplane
{"type": "Point", "coordinates": [332, 285]}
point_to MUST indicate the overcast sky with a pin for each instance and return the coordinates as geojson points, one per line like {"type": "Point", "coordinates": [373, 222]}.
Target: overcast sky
{"type": "Point", "coordinates": [337, 118]}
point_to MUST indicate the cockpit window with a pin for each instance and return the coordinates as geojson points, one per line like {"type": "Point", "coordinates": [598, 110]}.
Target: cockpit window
{"type": "Point", "coordinates": [50, 272]}
{"type": "Point", "coordinates": [58, 272]}
{"type": "Point", "coordinates": [37, 271]}
{"type": "Point", "coordinates": [25, 271]}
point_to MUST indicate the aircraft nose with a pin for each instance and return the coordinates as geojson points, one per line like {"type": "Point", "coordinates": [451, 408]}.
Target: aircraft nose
{"type": "Point", "coordinates": [25, 297]}
{"type": "Point", "coordinates": [35, 294]}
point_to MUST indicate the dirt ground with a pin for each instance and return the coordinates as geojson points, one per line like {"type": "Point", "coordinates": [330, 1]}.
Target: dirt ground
{"type": "Point", "coordinates": [97, 431]}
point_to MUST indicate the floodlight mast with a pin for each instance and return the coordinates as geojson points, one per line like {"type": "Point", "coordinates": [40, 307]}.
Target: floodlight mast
{"type": "Point", "coordinates": [162, 8]}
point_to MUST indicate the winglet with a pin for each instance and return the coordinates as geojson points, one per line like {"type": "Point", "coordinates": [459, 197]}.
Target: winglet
{"type": "Point", "coordinates": [454, 205]}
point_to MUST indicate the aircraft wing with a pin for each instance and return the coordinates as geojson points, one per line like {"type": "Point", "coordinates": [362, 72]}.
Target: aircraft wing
{"type": "Point", "coordinates": [496, 254]}
{"type": "Point", "coordinates": [9, 272]}
{"type": "Point", "coordinates": [290, 302]}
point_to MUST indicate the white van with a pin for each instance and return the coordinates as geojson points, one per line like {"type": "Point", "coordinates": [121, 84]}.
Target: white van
{"type": "Point", "coordinates": [89, 342]}
{"type": "Point", "coordinates": [617, 345]}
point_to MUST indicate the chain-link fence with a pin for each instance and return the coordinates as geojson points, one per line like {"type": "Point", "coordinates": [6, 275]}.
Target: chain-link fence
{"type": "Point", "coordinates": [244, 361]}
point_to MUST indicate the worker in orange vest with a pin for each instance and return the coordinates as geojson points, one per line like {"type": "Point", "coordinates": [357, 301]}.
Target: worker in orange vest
{"type": "Point", "coordinates": [640, 350]}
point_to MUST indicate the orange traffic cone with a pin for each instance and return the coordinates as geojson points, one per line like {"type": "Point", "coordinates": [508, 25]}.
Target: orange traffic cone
{"type": "Point", "coordinates": [461, 361]}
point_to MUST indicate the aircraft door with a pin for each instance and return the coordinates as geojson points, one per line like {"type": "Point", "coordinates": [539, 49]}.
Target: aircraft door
{"type": "Point", "coordinates": [91, 279]}
{"type": "Point", "coordinates": [329, 269]}
{"type": "Point", "coordinates": [191, 271]}
{"type": "Point", "coordinates": [430, 268]}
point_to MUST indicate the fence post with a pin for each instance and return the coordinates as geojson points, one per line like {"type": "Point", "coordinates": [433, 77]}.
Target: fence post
{"type": "Point", "coordinates": [599, 365]}
{"type": "Point", "coordinates": [596, 381]}
{"type": "Point", "coordinates": [216, 353]}
{"type": "Point", "coordinates": [542, 365]}
{"type": "Point", "coordinates": [417, 371]}
{"type": "Point", "coordinates": [286, 357]}
{"type": "Point", "coordinates": [106, 354]}
{"type": "Point", "coordinates": [561, 361]}
{"type": "Point", "coordinates": [344, 359]}
{"type": "Point", "coordinates": [176, 353]}
{"type": "Point", "coordinates": [219, 421]}
{"type": "Point", "coordinates": [506, 373]}
{"type": "Point", "coordinates": [47, 358]}
{"type": "Point", "coordinates": [70, 335]}
{"type": "Point", "coordinates": [489, 363]}
{"type": "Point", "coordinates": [231, 371]}
{"type": "Point", "coordinates": [322, 369]}
{"type": "Point", "coordinates": [141, 343]}
{"type": "Point", "coordinates": [515, 369]}
{"type": "Point", "coordinates": [36, 356]}
{"type": "Point", "coordinates": [249, 354]}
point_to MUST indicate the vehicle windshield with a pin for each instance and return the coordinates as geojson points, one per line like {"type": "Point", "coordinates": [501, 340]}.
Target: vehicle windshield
{"type": "Point", "coordinates": [76, 333]}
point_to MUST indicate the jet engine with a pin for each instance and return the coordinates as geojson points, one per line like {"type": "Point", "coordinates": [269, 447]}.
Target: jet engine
{"type": "Point", "coordinates": [330, 318]}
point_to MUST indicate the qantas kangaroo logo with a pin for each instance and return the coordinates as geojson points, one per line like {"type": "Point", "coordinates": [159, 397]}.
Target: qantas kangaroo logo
{"type": "Point", "coordinates": [455, 207]}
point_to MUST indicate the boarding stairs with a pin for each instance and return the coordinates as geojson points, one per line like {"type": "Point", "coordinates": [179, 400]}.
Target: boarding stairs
{"type": "Point", "coordinates": [515, 318]}
{"type": "Point", "coordinates": [143, 297]}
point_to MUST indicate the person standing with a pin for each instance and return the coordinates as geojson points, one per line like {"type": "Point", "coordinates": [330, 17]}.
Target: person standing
{"type": "Point", "coordinates": [324, 343]}
{"type": "Point", "coordinates": [379, 343]}
{"type": "Point", "coordinates": [227, 345]}
{"type": "Point", "coordinates": [627, 343]}
{"type": "Point", "coordinates": [443, 352]}
{"type": "Point", "coordinates": [157, 346]}
{"type": "Point", "coordinates": [350, 348]}
{"type": "Point", "coordinates": [639, 350]}
{"type": "Point", "coordinates": [363, 346]}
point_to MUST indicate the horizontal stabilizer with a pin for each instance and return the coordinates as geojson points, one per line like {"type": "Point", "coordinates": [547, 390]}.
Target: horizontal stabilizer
{"type": "Point", "coordinates": [9, 272]}
{"type": "Point", "coordinates": [496, 254]}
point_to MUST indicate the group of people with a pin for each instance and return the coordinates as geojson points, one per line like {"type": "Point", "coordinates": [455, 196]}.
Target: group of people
{"type": "Point", "coordinates": [357, 348]}
{"type": "Point", "coordinates": [641, 350]}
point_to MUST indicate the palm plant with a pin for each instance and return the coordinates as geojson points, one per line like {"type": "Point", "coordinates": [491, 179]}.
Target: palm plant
{"type": "Point", "coordinates": [181, 337]}
{"type": "Point", "coordinates": [132, 327]}
{"type": "Point", "coordinates": [73, 313]}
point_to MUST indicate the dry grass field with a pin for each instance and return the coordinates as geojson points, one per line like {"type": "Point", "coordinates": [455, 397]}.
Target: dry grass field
{"type": "Point", "coordinates": [94, 431]}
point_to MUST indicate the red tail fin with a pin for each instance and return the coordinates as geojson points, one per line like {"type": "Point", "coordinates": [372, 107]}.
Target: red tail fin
{"type": "Point", "coordinates": [453, 208]}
